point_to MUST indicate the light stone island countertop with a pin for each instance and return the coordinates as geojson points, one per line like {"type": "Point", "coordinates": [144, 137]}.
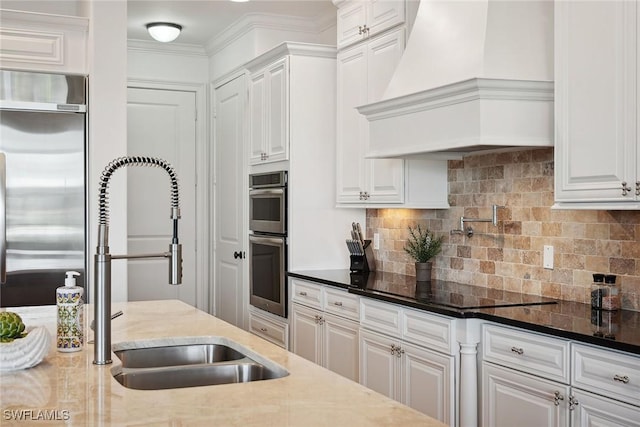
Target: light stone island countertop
{"type": "Point", "coordinates": [69, 387]}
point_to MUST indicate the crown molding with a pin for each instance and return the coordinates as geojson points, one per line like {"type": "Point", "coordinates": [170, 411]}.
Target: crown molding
{"type": "Point", "coordinates": [70, 23]}
{"type": "Point", "coordinates": [253, 21]}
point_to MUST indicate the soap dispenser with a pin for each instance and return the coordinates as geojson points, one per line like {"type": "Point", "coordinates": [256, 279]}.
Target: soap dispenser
{"type": "Point", "coordinates": [70, 314]}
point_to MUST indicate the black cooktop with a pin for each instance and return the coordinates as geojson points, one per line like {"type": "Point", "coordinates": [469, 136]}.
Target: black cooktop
{"type": "Point", "coordinates": [443, 293]}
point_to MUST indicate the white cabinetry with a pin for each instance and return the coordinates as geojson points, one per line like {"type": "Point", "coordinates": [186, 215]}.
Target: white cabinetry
{"type": "Point", "coordinates": [324, 327]}
{"type": "Point", "coordinates": [409, 356]}
{"type": "Point", "coordinates": [596, 99]}
{"type": "Point", "coordinates": [526, 381]}
{"type": "Point", "coordinates": [363, 74]}
{"type": "Point", "coordinates": [270, 327]}
{"type": "Point", "coordinates": [43, 42]}
{"type": "Point", "coordinates": [278, 82]}
{"type": "Point", "coordinates": [269, 106]}
{"type": "Point", "coordinates": [359, 19]}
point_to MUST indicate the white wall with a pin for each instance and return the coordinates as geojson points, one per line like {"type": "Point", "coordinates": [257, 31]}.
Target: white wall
{"type": "Point", "coordinates": [108, 126]}
{"type": "Point", "coordinates": [145, 61]}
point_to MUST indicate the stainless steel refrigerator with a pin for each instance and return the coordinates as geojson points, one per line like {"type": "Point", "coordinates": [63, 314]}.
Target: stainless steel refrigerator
{"type": "Point", "coordinates": [42, 184]}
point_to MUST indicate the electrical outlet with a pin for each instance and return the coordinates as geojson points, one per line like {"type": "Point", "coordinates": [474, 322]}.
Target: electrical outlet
{"type": "Point", "coordinates": [547, 258]}
{"type": "Point", "coordinates": [376, 240]}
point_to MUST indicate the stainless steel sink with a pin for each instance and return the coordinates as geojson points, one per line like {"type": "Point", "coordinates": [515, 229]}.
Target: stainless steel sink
{"type": "Point", "coordinates": [194, 376]}
{"type": "Point", "coordinates": [189, 362]}
{"type": "Point", "coordinates": [153, 357]}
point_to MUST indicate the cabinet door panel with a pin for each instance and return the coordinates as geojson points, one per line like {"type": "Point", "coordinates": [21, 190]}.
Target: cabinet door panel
{"type": "Point", "coordinates": [257, 118]}
{"type": "Point", "coordinates": [352, 92]}
{"type": "Point", "coordinates": [596, 130]}
{"type": "Point", "coordinates": [278, 117]}
{"type": "Point", "coordinates": [351, 17]}
{"type": "Point", "coordinates": [306, 333]}
{"type": "Point", "coordinates": [378, 367]}
{"type": "Point", "coordinates": [386, 176]}
{"type": "Point", "coordinates": [340, 346]}
{"type": "Point", "coordinates": [383, 14]}
{"type": "Point", "coordinates": [510, 399]}
{"type": "Point", "coordinates": [595, 411]}
{"type": "Point", "coordinates": [428, 383]}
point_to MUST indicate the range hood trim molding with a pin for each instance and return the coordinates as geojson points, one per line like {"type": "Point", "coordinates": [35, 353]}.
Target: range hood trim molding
{"type": "Point", "coordinates": [480, 115]}
{"type": "Point", "coordinates": [464, 91]}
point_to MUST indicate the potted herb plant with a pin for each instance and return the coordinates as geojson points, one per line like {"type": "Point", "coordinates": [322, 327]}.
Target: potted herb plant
{"type": "Point", "coordinates": [422, 245]}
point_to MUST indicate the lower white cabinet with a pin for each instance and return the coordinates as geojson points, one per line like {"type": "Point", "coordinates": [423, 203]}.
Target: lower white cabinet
{"type": "Point", "coordinates": [512, 398]}
{"type": "Point", "coordinates": [592, 410]}
{"type": "Point", "coordinates": [413, 375]}
{"type": "Point", "coordinates": [326, 340]}
{"type": "Point", "coordinates": [526, 382]}
{"type": "Point", "coordinates": [267, 326]}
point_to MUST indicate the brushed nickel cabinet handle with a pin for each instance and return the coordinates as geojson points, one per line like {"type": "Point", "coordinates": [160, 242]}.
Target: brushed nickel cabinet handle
{"type": "Point", "coordinates": [338, 303]}
{"type": "Point", "coordinates": [557, 397]}
{"type": "Point", "coordinates": [621, 378]}
{"type": "Point", "coordinates": [302, 294]}
{"type": "Point", "coordinates": [573, 402]}
{"type": "Point", "coordinates": [625, 188]}
{"type": "Point", "coordinates": [264, 329]}
{"type": "Point", "coordinates": [517, 350]}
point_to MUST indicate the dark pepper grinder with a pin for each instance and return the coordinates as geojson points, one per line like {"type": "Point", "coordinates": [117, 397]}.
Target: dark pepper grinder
{"type": "Point", "coordinates": [598, 291]}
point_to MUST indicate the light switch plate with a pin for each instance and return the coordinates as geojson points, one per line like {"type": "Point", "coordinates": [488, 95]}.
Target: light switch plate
{"type": "Point", "coordinates": [547, 258]}
{"type": "Point", "coordinates": [376, 240]}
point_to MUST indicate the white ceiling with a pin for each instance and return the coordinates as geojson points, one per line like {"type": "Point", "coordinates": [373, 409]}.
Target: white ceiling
{"type": "Point", "coordinates": [202, 20]}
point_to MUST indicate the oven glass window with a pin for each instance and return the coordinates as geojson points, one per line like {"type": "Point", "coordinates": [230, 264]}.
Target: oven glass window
{"type": "Point", "coordinates": [266, 209]}
{"type": "Point", "coordinates": [265, 264]}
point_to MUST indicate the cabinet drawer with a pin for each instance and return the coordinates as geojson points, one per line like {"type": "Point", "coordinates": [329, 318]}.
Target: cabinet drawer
{"type": "Point", "coordinates": [429, 330]}
{"type": "Point", "coordinates": [536, 354]}
{"type": "Point", "coordinates": [606, 372]}
{"type": "Point", "coordinates": [268, 329]}
{"type": "Point", "coordinates": [306, 293]}
{"type": "Point", "coordinates": [380, 317]}
{"type": "Point", "coordinates": [341, 303]}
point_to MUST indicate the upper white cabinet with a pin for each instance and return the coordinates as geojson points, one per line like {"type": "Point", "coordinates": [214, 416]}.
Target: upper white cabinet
{"type": "Point", "coordinates": [596, 149]}
{"type": "Point", "coordinates": [360, 19]}
{"type": "Point", "coordinates": [288, 101]}
{"type": "Point", "coordinates": [364, 71]}
{"type": "Point", "coordinates": [43, 42]}
{"type": "Point", "coordinates": [269, 108]}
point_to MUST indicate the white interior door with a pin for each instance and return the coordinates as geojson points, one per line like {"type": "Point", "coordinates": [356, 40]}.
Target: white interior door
{"type": "Point", "coordinates": [161, 123]}
{"type": "Point", "coordinates": [230, 194]}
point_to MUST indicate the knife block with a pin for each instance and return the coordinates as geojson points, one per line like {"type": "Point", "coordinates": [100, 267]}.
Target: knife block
{"type": "Point", "coordinates": [363, 263]}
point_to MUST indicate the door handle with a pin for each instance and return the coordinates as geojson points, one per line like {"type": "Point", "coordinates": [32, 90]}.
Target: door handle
{"type": "Point", "coordinates": [238, 254]}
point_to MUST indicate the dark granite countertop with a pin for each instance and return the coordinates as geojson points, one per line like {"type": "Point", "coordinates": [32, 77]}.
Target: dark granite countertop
{"type": "Point", "coordinates": [616, 330]}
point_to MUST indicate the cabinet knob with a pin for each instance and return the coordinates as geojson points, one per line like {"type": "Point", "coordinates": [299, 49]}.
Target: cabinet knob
{"type": "Point", "coordinates": [557, 397]}
{"type": "Point", "coordinates": [517, 350]}
{"type": "Point", "coordinates": [637, 188]}
{"type": "Point", "coordinates": [625, 188]}
{"type": "Point", "coordinates": [621, 378]}
{"type": "Point", "coordinates": [573, 402]}
{"type": "Point", "coordinates": [302, 294]}
{"type": "Point", "coordinates": [338, 303]}
{"type": "Point", "coordinates": [264, 329]}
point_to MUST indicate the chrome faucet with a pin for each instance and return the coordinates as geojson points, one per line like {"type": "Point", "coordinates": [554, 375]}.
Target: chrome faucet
{"type": "Point", "coordinates": [469, 231]}
{"type": "Point", "coordinates": [102, 259]}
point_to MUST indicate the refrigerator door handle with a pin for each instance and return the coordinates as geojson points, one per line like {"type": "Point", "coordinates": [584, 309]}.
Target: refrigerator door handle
{"type": "Point", "coordinates": [3, 218]}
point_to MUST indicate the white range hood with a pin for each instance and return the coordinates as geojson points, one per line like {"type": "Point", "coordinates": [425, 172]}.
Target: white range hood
{"type": "Point", "coordinates": [475, 75]}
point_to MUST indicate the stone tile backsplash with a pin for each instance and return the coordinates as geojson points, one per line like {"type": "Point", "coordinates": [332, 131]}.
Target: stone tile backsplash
{"type": "Point", "coordinates": [509, 256]}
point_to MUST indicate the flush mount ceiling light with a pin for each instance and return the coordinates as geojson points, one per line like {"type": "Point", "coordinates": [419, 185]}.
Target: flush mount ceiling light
{"type": "Point", "coordinates": [164, 31]}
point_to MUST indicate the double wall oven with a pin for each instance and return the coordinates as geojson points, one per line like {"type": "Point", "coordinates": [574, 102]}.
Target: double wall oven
{"type": "Point", "coordinates": [268, 241]}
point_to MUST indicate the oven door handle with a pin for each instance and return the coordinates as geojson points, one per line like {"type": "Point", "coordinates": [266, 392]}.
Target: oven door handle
{"type": "Point", "coordinates": [266, 192]}
{"type": "Point", "coordinates": [274, 241]}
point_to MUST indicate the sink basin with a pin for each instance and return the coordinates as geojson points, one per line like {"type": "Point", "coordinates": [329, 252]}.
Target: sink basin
{"type": "Point", "coordinates": [195, 375]}
{"type": "Point", "coordinates": [153, 357]}
{"type": "Point", "coordinates": [189, 362]}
